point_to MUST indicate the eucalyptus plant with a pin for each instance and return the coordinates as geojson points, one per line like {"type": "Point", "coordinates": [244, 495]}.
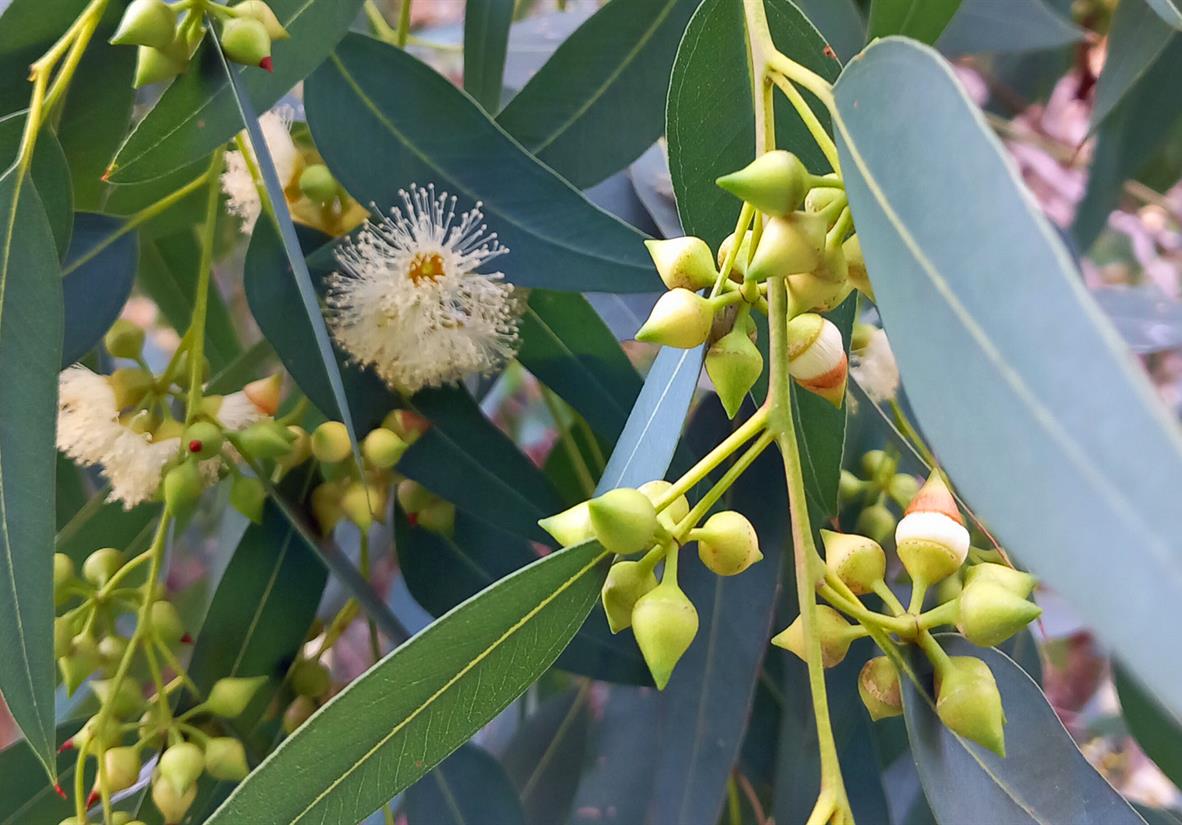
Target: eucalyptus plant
{"type": "Point", "coordinates": [426, 276]}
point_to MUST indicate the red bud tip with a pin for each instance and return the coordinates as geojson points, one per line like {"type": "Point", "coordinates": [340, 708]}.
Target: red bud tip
{"type": "Point", "coordinates": [67, 745]}
{"type": "Point", "coordinates": [58, 790]}
{"type": "Point", "coordinates": [195, 446]}
{"type": "Point", "coordinates": [93, 798]}
{"type": "Point", "coordinates": [265, 63]}
{"type": "Point", "coordinates": [106, 176]}
{"type": "Point", "coordinates": [186, 639]}
{"type": "Point", "coordinates": [412, 519]}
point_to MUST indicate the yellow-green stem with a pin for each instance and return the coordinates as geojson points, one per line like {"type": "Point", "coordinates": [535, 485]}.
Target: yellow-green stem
{"type": "Point", "coordinates": [811, 121]}
{"type": "Point", "coordinates": [403, 23]}
{"type": "Point", "coordinates": [201, 299]}
{"type": "Point", "coordinates": [567, 438]}
{"type": "Point", "coordinates": [718, 490]}
{"type": "Point", "coordinates": [712, 459]}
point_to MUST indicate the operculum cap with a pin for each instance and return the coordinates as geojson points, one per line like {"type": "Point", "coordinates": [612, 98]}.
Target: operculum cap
{"type": "Point", "coordinates": [245, 40]}
{"type": "Point", "coordinates": [931, 538]}
{"type": "Point", "coordinates": [267, 439]}
{"type": "Point", "coordinates": [835, 633]}
{"type": "Point", "coordinates": [857, 560]}
{"type": "Point", "coordinates": [626, 582]}
{"type": "Point", "coordinates": [180, 765]}
{"type": "Point", "coordinates": [808, 292]}
{"type": "Point", "coordinates": [734, 364]}
{"type": "Point", "coordinates": [665, 623]}
{"type": "Point", "coordinates": [969, 703]}
{"type": "Point", "coordinates": [146, 23]}
{"type": "Point", "coordinates": [683, 263]}
{"type": "Point", "coordinates": [727, 543]}
{"type": "Point", "coordinates": [624, 520]}
{"type": "Point", "coordinates": [1016, 581]}
{"type": "Point", "coordinates": [990, 613]}
{"type": "Point", "coordinates": [791, 244]}
{"type": "Point", "coordinates": [878, 685]}
{"type": "Point", "coordinates": [265, 393]}
{"type": "Point", "coordinates": [570, 527]}
{"type": "Point", "coordinates": [775, 183]}
{"type": "Point", "coordinates": [680, 318]}
{"type": "Point", "coordinates": [816, 357]}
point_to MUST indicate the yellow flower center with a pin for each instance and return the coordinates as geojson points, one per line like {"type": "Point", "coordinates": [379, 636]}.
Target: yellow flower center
{"type": "Point", "coordinates": [429, 266]}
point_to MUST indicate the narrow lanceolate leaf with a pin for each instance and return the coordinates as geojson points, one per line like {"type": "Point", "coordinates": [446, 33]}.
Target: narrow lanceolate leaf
{"type": "Point", "coordinates": [921, 20]}
{"type": "Point", "coordinates": [1168, 10]}
{"type": "Point", "coordinates": [373, 106]}
{"type": "Point", "coordinates": [420, 703]}
{"type": "Point", "coordinates": [1136, 39]}
{"type": "Point", "coordinates": [486, 38]}
{"type": "Point", "coordinates": [1089, 455]}
{"type": "Point", "coordinates": [1043, 778]}
{"type": "Point", "coordinates": [95, 289]}
{"type": "Point", "coordinates": [198, 112]}
{"type": "Point", "coordinates": [1006, 26]}
{"type": "Point", "coordinates": [1157, 731]}
{"type": "Point", "coordinates": [25, 796]}
{"type": "Point", "coordinates": [596, 104]}
{"type": "Point", "coordinates": [469, 788]}
{"type": "Point", "coordinates": [544, 759]}
{"type": "Point", "coordinates": [30, 353]}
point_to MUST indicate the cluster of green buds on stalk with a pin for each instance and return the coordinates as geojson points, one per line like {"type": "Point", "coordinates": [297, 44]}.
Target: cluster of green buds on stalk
{"type": "Point", "coordinates": [167, 34]}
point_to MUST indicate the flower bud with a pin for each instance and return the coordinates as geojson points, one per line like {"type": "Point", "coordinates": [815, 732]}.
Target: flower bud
{"type": "Point", "coordinates": [727, 543]}
{"type": "Point", "coordinates": [330, 442]}
{"type": "Point", "coordinates": [171, 804]}
{"type": "Point", "coordinates": [624, 520]}
{"type": "Point", "coordinates": [835, 633]}
{"type": "Point", "coordinates": [75, 667]}
{"type": "Point", "coordinates": [438, 517]}
{"type": "Point", "coordinates": [326, 506]}
{"type": "Point", "coordinates": [202, 439]}
{"type": "Point", "coordinates": [570, 527]}
{"type": "Point", "coordinates": [183, 486]}
{"type": "Point", "coordinates": [225, 759]}
{"type": "Point", "coordinates": [931, 538]}
{"type": "Point", "coordinates": [407, 425]}
{"type": "Point", "coordinates": [63, 575]}
{"type": "Point", "coordinates": [774, 183]}
{"type": "Point", "coordinates": [122, 768]}
{"type": "Point", "coordinates": [414, 496]}
{"type": "Point", "coordinates": [156, 66]}
{"type": "Point", "coordinates": [261, 12]}
{"type": "Point", "coordinates": [878, 685]}
{"type": "Point", "coordinates": [794, 243]}
{"type": "Point", "coordinates": [63, 636]}
{"type": "Point", "coordinates": [1015, 581]}
{"type": "Point", "coordinates": [318, 184]}
{"type": "Point", "coordinates": [856, 266]}
{"type": "Point", "coordinates": [297, 713]}
{"type": "Point", "coordinates": [664, 622]}
{"type": "Point", "coordinates": [382, 448]}
{"type": "Point", "coordinates": [125, 702]}
{"type": "Point", "coordinates": [124, 339]}
{"type": "Point", "coordinates": [145, 23]}
{"type": "Point", "coordinates": [903, 488]}
{"type": "Point", "coordinates": [165, 622]}
{"type": "Point", "coordinates": [266, 439]}
{"type": "Point", "coordinates": [92, 734]}
{"type": "Point", "coordinates": [361, 503]}
{"type": "Point", "coordinates": [130, 385]}
{"type": "Point", "coordinates": [101, 565]}
{"type": "Point", "coordinates": [680, 319]}
{"type": "Point", "coordinates": [857, 560]}
{"type": "Point", "coordinates": [949, 589]}
{"type": "Point", "coordinates": [808, 292]}
{"type": "Point", "coordinates": [300, 449]}
{"type": "Point", "coordinates": [819, 197]}
{"type": "Point", "coordinates": [968, 702]}
{"type": "Point", "coordinates": [816, 357]}
{"type": "Point", "coordinates": [734, 364]}
{"type": "Point", "coordinates": [265, 393]}
{"type": "Point", "coordinates": [310, 678]}
{"type": "Point", "coordinates": [669, 517]}
{"type": "Point", "coordinates": [990, 613]}
{"type": "Point", "coordinates": [739, 268]}
{"type": "Point", "coordinates": [878, 466]}
{"type": "Point", "coordinates": [626, 582]}
{"type": "Point", "coordinates": [245, 40]}
{"type": "Point", "coordinates": [247, 496]}
{"type": "Point", "coordinates": [683, 263]}
{"type": "Point", "coordinates": [849, 487]}
{"type": "Point", "coordinates": [181, 764]}
{"type": "Point", "coordinates": [229, 696]}
{"type": "Point", "coordinates": [877, 522]}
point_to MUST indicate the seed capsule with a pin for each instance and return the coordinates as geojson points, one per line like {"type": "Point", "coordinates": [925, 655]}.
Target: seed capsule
{"type": "Point", "coordinates": [680, 319]}
{"type": "Point", "coordinates": [931, 538]}
{"type": "Point", "coordinates": [664, 622]}
{"type": "Point", "coordinates": [969, 703]}
{"type": "Point", "coordinates": [683, 263]}
{"type": "Point", "coordinates": [878, 685]}
{"type": "Point", "coordinates": [626, 582]}
{"type": "Point", "coordinates": [727, 543]}
{"type": "Point", "coordinates": [857, 560]}
{"type": "Point", "coordinates": [774, 183]}
{"type": "Point", "coordinates": [816, 357]}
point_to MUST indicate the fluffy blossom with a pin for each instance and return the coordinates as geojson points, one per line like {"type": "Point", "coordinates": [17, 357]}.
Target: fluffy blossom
{"type": "Point", "coordinates": [237, 412]}
{"type": "Point", "coordinates": [410, 302]}
{"type": "Point", "coordinates": [875, 370]}
{"type": "Point", "coordinates": [237, 181]}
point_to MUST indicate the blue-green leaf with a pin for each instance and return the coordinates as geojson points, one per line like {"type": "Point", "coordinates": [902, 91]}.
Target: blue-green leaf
{"type": "Point", "coordinates": [1168, 10]}
{"type": "Point", "coordinates": [94, 290]}
{"type": "Point", "coordinates": [1006, 26]}
{"type": "Point", "coordinates": [468, 788]}
{"type": "Point", "coordinates": [486, 37]}
{"type": "Point", "coordinates": [1136, 39]}
{"type": "Point", "coordinates": [623, 754]}
{"type": "Point", "coordinates": [1156, 729]}
{"type": "Point", "coordinates": [544, 759]}
{"type": "Point", "coordinates": [922, 20]}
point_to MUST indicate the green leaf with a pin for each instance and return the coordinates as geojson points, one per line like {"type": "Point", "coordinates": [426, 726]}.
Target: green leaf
{"type": "Point", "coordinates": [407, 713]}
{"type": "Point", "coordinates": [198, 112]}
{"type": "Point", "coordinates": [30, 352]}
{"type": "Point", "coordinates": [1157, 731]}
{"type": "Point", "coordinates": [623, 754]}
{"type": "Point", "coordinates": [50, 175]}
{"type": "Point", "coordinates": [1168, 10]}
{"type": "Point", "coordinates": [468, 788]}
{"type": "Point", "coordinates": [1083, 471]}
{"type": "Point", "coordinates": [95, 291]}
{"type": "Point", "coordinates": [567, 347]}
{"type": "Point", "coordinates": [1136, 39]}
{"type": "Point", "coordinates": [102, 523]}
{"type": "Point", "coordinates": [27, 29]}
{"type": "Point", "coordinates": [25, 795]}
{"type": "Point", "coordinates": [373, 106]}
{"type": "Point", "coordinates": [1006, 26]}
{"type": "Point", "coordinates": [921, 20]}
{"type": "Point", "coordinates": [839, 22]}
{"type": "Point", "coordinates": [1043, 778]}
{"type": "Point", "coordinates": [486, 37]}
{"type": "Point", "coordinates": [544, 759]}
{"type": "Point", "coordinates": [595, 106]}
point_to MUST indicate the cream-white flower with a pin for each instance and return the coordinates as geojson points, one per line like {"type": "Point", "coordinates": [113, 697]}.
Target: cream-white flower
{"type": "Point", "coordinates": [875, 370]}
{"type": "Point", "coordinates": [135, 466]}
{"type": "Point", "coordinates": [87, 419]}
{"type": "Point", "coordinates": [237, 181]}
{"type": "Point", "coordinates": [410, 302]}
{"type": "Point", "coordinates": [237, 412]}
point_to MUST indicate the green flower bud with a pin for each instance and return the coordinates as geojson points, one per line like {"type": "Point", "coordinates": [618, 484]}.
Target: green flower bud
{"type": "Point", "coordinates": [664, 622]}
{"type": "Point", "coordinates": [362, 502]}
{"type": "Point", "coordinates": [808, 292]}
{"type": "Point", "coordinates": [624, 520]}
{"type": "Point", "coordinates": [326, 506]}
{"type": "Point", "coordinates": [878, 685]}
{"type": "Point", "coordinates": [903, 488]}
{"type": "Point", "coordinates": [225, 759]}
{"type": "Point", "coordinates": [130, 385]}
{"type": "Point", "coordinates": [101, 565]}
{"type": "Point", "coordinates": [816, 357]}
{"type": "Point", "coordinates": [877, 522]}
{"type": "Point", "coordinates": [145, 23]}
{"type": "Point", "coordinates": [261, 12]}
{"type": "Point", "coordinates": [949, 589]}
{"type": "Point", "coordinates": [172, 804]}
{"type": "Point", "coordinates": [125, 339]}
{"type": "Point", "coordinates": [266, 439]}
{"type": "Point", "coordinates": [834, 268]}
{"type": "Point", "coordinates": [683, 263]}
{"type": "Point", "coordinates": [310, 678]}
{"type": "Point", "coordinates": [1016, 581]}
{"type": "Point", "coordinates": [382, 448]}
{"type": "Point", "coordinates": [300, 447]}
{"type": "Point", "coordinates": [245, 40]}
{"type": "Point", "coordinates": [184, 369]}
{"type": "Point", "coordinates": [734, 364]}
{"type": "Point", "coordinates": [878, 466]}
{"type": "Point", "coordinates": [835, 633]}
{"type": "Point", "coordinates": [92, 734]}
{"type": "Point", "coordinates": [123, 818]}
{"type": "Point", "coordinates": [125, 702]}
{"type": "Point", "coordinates": [318, 184]}
{"type": "Point", "coordinates": [229, 696]}
{"type": "Point", "coordinates": [857, 560]}
{"type": "Point", "coordinates": [570, 527]}
{"type": "Point", "coordinates": [75, 667]}
{"type": "Point", "coordinates": [63, 576]}
{"type": "Point", "coordinates": [156, 66]}
{"type": "Point", "coordinates": [968, 702]}
{"type": "Point", "coordinates": [774, 183]}
{"type": "Point", "coordinates": [183, 486]}
{"type": "Point", "coordinates": [414, 497]}
{"type": "Point", "coordinates": [727, 543]}
{"type": "Point", "coordinates": [203, 439]}
{"type": "Point", "coordinates": [626, 582]}
{"type": "Point", "coordinates": [63, 636]}
{"type": "Point", "coordinates": [247, 496]}
{"type": "Point", "coordinates": [297, 713]}
{"type": "Point", "coordinates": [669, 517]}
{"type": "Point", "coordinates": [407, 425]}
{"type": "Point", "coordinates": [739, 268]}
{"type": "Point", "coordinates": [165, 622]}
{"type": "Point", "coordinates": [857, 266]}
{"type": "Point", "coordinates": [438, 517]}
{"type": "Point", "coordinates": [990, 613]}
{"type": "Point", "coordinates": [931, 538]}
{"type": "Point", "coordinates": [819, 197]}
{"type": "Point", "coordinates": [791, 244]}
{"type": "Point", "coordinates": [122, 766]}
{"type": "Point", "coordinates": [680, 319]}
{"type": "Point", "coordinates": [330, 442]}
{"type": "Point", "coordinates": [849, 487]}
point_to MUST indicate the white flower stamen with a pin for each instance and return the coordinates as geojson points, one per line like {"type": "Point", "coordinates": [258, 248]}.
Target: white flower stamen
{"type": "Point", "coordinates": [238, 183]}
{"type": "Point", "coordinates": [875, 370]}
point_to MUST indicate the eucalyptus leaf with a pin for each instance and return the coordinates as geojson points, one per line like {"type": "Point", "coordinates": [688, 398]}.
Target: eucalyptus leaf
{"type": "Point", "coordinates": [1136, 39]}
{"type": "Point", "coordinates": [486, 37]}
{"type": "Point", "coordinates": [1156, 729]}
{"type": "Point", "coordinates": [375, 106]}
{"type": "Point", "coordinates": [544, 759]}
{"type": "Point", "coordinates": [839, 21]}
{"type": "Point", "coordinates": [94, 292]}
{"type": "Point", "coordinates": [939, 255]}
{"type": "Point", "coordinates": [467, 788]}
{"type": "Point", "coordinates": [623, 754]}
{"type": "Point", "coordinates": [922, 20]}
{"type": "Point", "coordinates": [25, 795]}
{"type": "Point", "coordinates": [50, 174]}
{"type": "Point", "coordinates": [1006, 26]}
{"type": "Point", "coordinates": [1168, 10]}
